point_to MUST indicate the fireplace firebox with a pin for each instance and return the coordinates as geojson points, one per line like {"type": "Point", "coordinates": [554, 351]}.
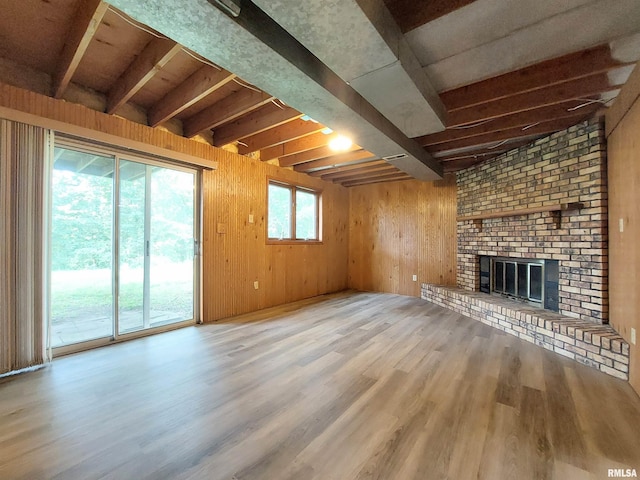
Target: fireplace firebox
{"type": "Point", "coordinates": [533, 281]}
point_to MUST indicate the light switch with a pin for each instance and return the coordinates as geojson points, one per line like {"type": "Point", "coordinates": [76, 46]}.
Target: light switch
{"type": "Point", "coordinates": [250, 218]}
{"type": "Point", "coordinates": [621, 224]}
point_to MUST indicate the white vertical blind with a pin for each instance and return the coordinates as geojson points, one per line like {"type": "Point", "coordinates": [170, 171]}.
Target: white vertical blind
{"type": "Point", "coordinates": [22, 169]}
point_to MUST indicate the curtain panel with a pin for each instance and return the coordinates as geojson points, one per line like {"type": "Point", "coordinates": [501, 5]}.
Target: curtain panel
{"type": "Point", "coordinates": [23, 150]}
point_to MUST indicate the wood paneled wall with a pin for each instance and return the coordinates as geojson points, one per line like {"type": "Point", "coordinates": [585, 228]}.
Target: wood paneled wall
{"type": "Point", "coordinates": [401, 229]}
{"type": "Point", "coordinates": [624, 198]}
{"type": "Point", "coordinates": [233, 260]}
{"type": "Point", "coordinates": [236, 253]}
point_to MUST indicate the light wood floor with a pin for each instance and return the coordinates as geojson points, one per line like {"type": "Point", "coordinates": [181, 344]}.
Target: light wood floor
{"type": "Point", "coordinates": [346, 386]}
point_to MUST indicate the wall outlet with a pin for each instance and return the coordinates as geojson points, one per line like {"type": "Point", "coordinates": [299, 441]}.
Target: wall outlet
{"type": "Point", "coordinates": [633, 335]}
{"type": "Point", "coordinates": [255, 284]}
{"type": "Point", "coordinates": [250, 218]}
{"type": "Point", "coordinates": [415, 278]}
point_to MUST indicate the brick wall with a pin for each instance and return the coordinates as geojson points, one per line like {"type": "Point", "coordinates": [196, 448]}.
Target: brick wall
{"type": "Point", "coordinates": [568, 166]}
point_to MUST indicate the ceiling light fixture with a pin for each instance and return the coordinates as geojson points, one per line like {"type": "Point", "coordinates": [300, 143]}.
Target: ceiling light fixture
{"type": "Point", "coordinates": [340, 143]}
{"type": "Point", "coordinates": [232, 7]}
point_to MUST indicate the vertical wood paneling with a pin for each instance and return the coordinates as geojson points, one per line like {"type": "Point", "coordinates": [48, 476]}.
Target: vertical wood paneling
{"type": "Point", "coordinates": [624, 253]}
{"type": "Point", "coordinates": [399, 229]}
{"type": "Point", "coordinates": [235, 259]}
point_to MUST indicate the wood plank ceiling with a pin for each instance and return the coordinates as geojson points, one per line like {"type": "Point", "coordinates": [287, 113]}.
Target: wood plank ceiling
{"type": "Point", "coordinates": [87, 51]}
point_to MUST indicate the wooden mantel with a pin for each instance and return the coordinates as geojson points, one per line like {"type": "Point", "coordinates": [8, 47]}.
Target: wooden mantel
{"type": "Point", "coordinates": [553, 209]}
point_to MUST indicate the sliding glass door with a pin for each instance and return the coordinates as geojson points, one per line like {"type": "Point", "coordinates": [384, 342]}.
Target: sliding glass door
{"type": "Point", "coordinates": [81, 276]}
{"type": "Point", "coordinates": [156, 246]}
{"type": "Point", "coordinates": [123, 231]}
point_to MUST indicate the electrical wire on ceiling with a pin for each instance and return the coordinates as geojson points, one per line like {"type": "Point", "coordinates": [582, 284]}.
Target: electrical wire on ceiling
{"type": "Point", "coordinates": [275, 101]}
{"type": "Point", "coordinates": [472, 125]}
{"type": "Point", "coordinates": [499, 144]}
{"type": "Point", "coordinates": [242, 143]}
{"type": "Point", "coordinates": [138, 26]}
{"type": "Point", "coordinates": [200, 59]}
{"type": "Point", "coordinates": [530, 126]}
{"type": "Point", "coordinates": [245, 85]}
{"type": "Point", "coordinates": [157, 35]}
{"type": "Point", "coordinates": [589, 101]}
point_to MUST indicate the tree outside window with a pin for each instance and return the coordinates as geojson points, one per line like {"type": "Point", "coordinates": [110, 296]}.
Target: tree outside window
{"type": "Point", "coordinates": [293, 213]}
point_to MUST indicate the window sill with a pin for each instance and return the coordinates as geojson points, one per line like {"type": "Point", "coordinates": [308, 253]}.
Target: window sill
{"type": "Point", "coordinates": [272, 241]}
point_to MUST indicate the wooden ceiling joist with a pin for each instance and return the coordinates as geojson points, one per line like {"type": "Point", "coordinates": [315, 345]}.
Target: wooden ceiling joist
{"type": "Point", "coordinates": [455, 165]}
{"type": "Point", "coordinates": [482, 152]}
{"type": "Point", "coordinates": [85, 24]}
{"type": "Point", "coordinates": [541, 75]}
{"type": "Point", "coordinates": [572, 90]}
{"type": "Point", "coordinates": [311, 155]}
{"type": "Point", "coordinates": [226, 110]}
{"type": "Point", "coordinates": [387, 178]}
{"type": "Point", "coordinates": [517, 120]}
{"type": "Point", "coordinates": [290, 131]}
{"type": "Point", "coordinates": [335, 160]}
{"type": "Point", "coordinates": [347, 168]}
{"type": "Point", "coordinates": [308, 142]}
{"type": "Point", "coordinates": [360, 173]}
{"type": "Point", "coordinates": [200, 84]}
{"type": "Point", "coordinates": [255, 122]}
{"type": "Point", "coordinates": [377, 176]}
{"type": "Point", "coordinates": [155, 55]}
{"type": "Point", "coordinates": [541, 128]}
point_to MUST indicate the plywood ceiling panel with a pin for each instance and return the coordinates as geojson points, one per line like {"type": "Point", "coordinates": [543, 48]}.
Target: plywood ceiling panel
{"type": "Point", "coordinates": [115, 45]}
{"type": "Point", "coordinates": [32, 32]}
{"type": "Point", "coordinates": [173, 74]}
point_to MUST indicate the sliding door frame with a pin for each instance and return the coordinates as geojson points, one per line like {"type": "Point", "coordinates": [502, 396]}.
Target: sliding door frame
{"type": "Point", "coordinates": [119, 154]}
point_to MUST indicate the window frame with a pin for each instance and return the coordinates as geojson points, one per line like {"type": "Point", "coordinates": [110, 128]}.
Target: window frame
{"type": "Point", "coordinates": [292, 240]}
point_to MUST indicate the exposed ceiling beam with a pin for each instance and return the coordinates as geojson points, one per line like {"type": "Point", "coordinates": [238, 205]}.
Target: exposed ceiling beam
{"type": "Point", "coordinates": [380, 65]}
{"type": "Point", "coordinates": [544, 74]}
{"type": "Point", "coordinates": [336, 160]}
{"type": "Point", "coordinates": [255, 122]}
{"type": "Point", "coordinates": [368, 181]}
{"type": "Point", "coordinates": [84, 26]}
{"type": "Point", "coordinates": [574, 89]}
{"type": "Point", "coordinates": [259, 50]}
{"type": "Point", "coordinates": [309, 142]}
{"type": "Point", "coordinates": [346, 168]}
{"type": "Point", "coordinates": [359, 173]}
{"type": "Point", "coordinates": [286, 132]}
{"type": "Point", "coordinates": [155, 55]}
{"type": "Point", "coordinates": [520, 119]}
{"type": "Point", "coordinates": [229, 108]}
{"type": "Point", "coordinates": [200, 84]}
{"type": "Point", "coordinates": [310, 155]}
{"type": "Point", "coordinates": [410, 14]}
{"type": "Point", "coordinates": [541, 128]}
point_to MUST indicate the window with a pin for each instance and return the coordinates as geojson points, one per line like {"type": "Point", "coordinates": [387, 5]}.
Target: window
{"type": "Point", "coordinates": [294, 213]}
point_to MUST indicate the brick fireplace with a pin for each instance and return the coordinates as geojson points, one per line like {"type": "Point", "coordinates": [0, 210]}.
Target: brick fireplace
{"type": "Point", "coordinates": [546, 201]}
{"type": "Point", "coordinates": [566, 167]}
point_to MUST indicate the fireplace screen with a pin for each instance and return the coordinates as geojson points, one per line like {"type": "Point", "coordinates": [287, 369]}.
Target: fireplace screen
{"type": "Point", "coordinates": [534, 281]}
{"type": "Point", "coordinates": [518, 278]}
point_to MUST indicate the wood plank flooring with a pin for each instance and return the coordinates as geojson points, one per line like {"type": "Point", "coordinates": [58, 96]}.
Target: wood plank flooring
{"type": "Point", "coordinates": [339, 387]}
